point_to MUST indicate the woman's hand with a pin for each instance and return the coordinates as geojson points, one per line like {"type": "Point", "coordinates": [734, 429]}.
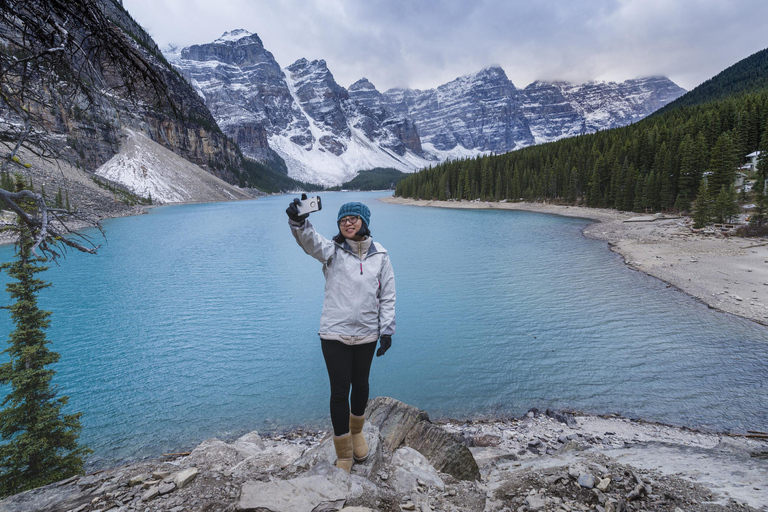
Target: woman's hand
{"type": "Point", "coordinates": [385, 342]}
{"type": "Point", "coordinates": [293, 210]}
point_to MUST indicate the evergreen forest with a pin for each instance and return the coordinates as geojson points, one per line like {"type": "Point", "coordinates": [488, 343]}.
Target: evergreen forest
{"type": "Point", "coordinates": [656, 164]}
{"type": "Point", "coordinates": [378, 178]}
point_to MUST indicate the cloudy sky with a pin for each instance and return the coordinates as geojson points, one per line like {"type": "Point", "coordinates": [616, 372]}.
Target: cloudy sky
{"type": "Point", "coordinates": [424, 43]}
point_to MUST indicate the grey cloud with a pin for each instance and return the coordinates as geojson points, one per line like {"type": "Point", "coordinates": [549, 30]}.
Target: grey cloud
{"type": "Point", "coordinates": [425, 43]}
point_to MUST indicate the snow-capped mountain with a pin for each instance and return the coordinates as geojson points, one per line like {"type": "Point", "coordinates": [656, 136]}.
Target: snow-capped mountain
{"type": "Point", "coordinates": [300, 112]}
{"type": "Point", "coordinates": [326, 133]}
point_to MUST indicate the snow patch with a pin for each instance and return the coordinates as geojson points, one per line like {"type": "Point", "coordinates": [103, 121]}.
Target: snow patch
{"type": "Point", "coordinates": [149, 170]}
{"type": "Point", "coordinates": [233, 35]}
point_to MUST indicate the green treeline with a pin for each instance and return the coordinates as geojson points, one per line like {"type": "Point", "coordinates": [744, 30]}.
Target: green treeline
{"type": "Point", "coordinates": [378, 178]}
{"type": "Point", "coordinates": [656, 164]}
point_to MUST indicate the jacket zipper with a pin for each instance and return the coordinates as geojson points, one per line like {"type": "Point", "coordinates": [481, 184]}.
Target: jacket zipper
{"type": "Point", "coordinates": [360, 256]}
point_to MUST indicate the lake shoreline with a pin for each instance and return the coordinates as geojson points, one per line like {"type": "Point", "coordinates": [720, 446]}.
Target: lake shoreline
{"type": "Point", "coordinates": [728, 274]}
{"type": "Point", "coordinates": [543, 450]}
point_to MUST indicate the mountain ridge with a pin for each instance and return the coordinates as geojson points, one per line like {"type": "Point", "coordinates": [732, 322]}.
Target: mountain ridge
{"type": "Point", "coordinates": [327, 133]}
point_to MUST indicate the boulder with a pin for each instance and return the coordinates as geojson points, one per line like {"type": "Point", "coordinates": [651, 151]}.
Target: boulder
{"type": "Point", "coordinates": [214, 454]}
{"type": "Point", "coordinates": [50, 498]}
{"type": "Point", "coordinates": [563, 417]}
{"type": "Point", "coordinates": [443, 451]}
{"type": "Point", "coordinates": [249, 444]}
{"type": "Point", "coordinates": [325, 451]}
{"type": "Point", "coordinates": [394, 420]}
{"type": "Point", "coordinates": [328, 490]}
{"type": "Point", "coordinates": [273, 457]}
{"type": "Point", "coordinates": [410, 467]}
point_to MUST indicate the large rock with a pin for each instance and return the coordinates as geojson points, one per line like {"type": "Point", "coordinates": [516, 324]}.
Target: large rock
{"type": "Point", "coordinates": [329, 489]}
{"type": "Point", "coordinates": [215, 454]}
{"type": "Point", "coordinates": [394, 420]}
{"type": "Point", "coordinates": [443, 451]}
{"type": "Point", "coordinates": [325, 451]}
{"type": "Point", "coordinates": [402, 424]}
{"type": "Point", "coordinates": [51, 498]}
{"type": "Point", "coordinates": [409, 467]}
{"type": "Point", "coordinates": [243, 456]}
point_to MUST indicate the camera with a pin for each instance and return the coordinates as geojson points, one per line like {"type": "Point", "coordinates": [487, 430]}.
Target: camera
{"type": "Point", "coordinates": [309, 205]}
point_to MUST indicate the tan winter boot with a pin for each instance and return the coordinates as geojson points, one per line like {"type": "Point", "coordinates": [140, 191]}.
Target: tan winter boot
{"type": "Point", "coordinates": [359, 446]}
{"type": "Point", "coordinates": [343, 445]}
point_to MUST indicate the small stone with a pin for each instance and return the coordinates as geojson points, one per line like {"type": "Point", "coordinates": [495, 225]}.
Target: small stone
{"type": "Point", "coordinates": [536, 502]}
{"type": "Point", "coordinates": [383, 475]}
{"type": "Point", "coordinates": [150, 494]}
{"type": "Point", "coordinates": [603, 484]}
{"type": "Point", "coordinates": [136, 480]}
{"type": "Point", "coordinates": [185, 476]}
{"type": "Point", "coordinates": [408, 506]}
{"type": "Point", "coordinates": [586, 480]}
{"type": "Point", "coordinates": [421, 482]}
{"type": "Point", "coordinates": [160, 475]}
{"type": "Point", "coordinates": [149, 483]}
{"type": "Point", "coordinates": [452, 492]}
{"type": "Point", "coordinates": [166, 488]}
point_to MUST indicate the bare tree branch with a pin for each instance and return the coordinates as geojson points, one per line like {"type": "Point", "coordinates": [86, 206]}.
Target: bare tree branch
{"type": "Point", "coordinates": [59, 57]}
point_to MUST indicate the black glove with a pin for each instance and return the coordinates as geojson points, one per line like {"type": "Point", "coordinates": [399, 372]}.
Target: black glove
{"type": "Point", "coordinates": [293, 210]}
{"type": "Point", "coordinates": [384, 343]}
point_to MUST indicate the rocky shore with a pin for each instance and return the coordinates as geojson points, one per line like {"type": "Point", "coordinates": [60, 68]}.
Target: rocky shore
{"type": "Point", "coordinates": [726, 272]}
{"type": "Point", "coordinates": [544, 461]}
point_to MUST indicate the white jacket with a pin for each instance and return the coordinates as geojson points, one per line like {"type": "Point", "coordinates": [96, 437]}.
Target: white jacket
{"type": "Point", "coordinates": [359, 304]}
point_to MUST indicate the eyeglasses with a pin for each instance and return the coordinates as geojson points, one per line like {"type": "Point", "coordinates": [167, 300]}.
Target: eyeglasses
{"type": "Point", "coordinates": [352, 219]}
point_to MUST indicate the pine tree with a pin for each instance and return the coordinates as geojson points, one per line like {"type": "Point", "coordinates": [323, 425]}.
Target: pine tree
{"type": "Point", "coordinates": [758, 217]}
{"type": "Point", "coordinates": [702, 211]}
{"type": "Point", "coordinates": [726, 209]}
{"type": "Point", "coordinates": [40, 442]}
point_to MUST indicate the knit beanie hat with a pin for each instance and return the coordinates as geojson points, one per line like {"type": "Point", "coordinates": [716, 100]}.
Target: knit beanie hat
{"type": "Point", "coordinates": [358, 209]}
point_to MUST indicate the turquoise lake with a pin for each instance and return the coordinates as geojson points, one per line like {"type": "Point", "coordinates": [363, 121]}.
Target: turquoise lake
{"type": "Point", "coordinates": [200, 321]}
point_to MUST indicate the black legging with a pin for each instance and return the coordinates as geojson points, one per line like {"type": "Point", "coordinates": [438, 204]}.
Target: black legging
{"type": "Point", "coordinates": [347, 364]}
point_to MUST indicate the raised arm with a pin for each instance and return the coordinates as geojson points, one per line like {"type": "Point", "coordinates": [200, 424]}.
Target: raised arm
{"type": "Point", "coordinates": [311, 241]}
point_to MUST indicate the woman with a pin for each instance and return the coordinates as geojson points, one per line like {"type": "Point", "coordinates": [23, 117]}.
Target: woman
{"type": "Point", "coordinates": [358, 310]}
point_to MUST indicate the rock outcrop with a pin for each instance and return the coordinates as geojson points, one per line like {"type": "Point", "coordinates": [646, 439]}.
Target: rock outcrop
{"type": "Point", "coordinates": [551, 462]}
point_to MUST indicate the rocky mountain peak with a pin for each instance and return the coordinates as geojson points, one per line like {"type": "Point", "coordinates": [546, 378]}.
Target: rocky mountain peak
{"type": "Point", "coordinates": [326, 133]}
{"type": "Point", "coordinates": [321, 98]}
{"type": "Point", "coordinates": [246, 50]}
{"type": "Point", "coordinates": [234, 35]}
{"type": "Point", "coordinates": [365, 93]}
{"type": "Point", "coordinates": [362, 85]}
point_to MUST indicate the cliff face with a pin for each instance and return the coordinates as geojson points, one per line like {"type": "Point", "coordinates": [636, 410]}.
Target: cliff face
{"type": "Point", "coordinates": [479, 112]}
{"type": "Point", "coordinates": [154, 100]}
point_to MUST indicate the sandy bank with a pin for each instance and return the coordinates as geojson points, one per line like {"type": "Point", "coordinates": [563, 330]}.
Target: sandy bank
{"type": "Point", "coordinates": [729, 274]}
